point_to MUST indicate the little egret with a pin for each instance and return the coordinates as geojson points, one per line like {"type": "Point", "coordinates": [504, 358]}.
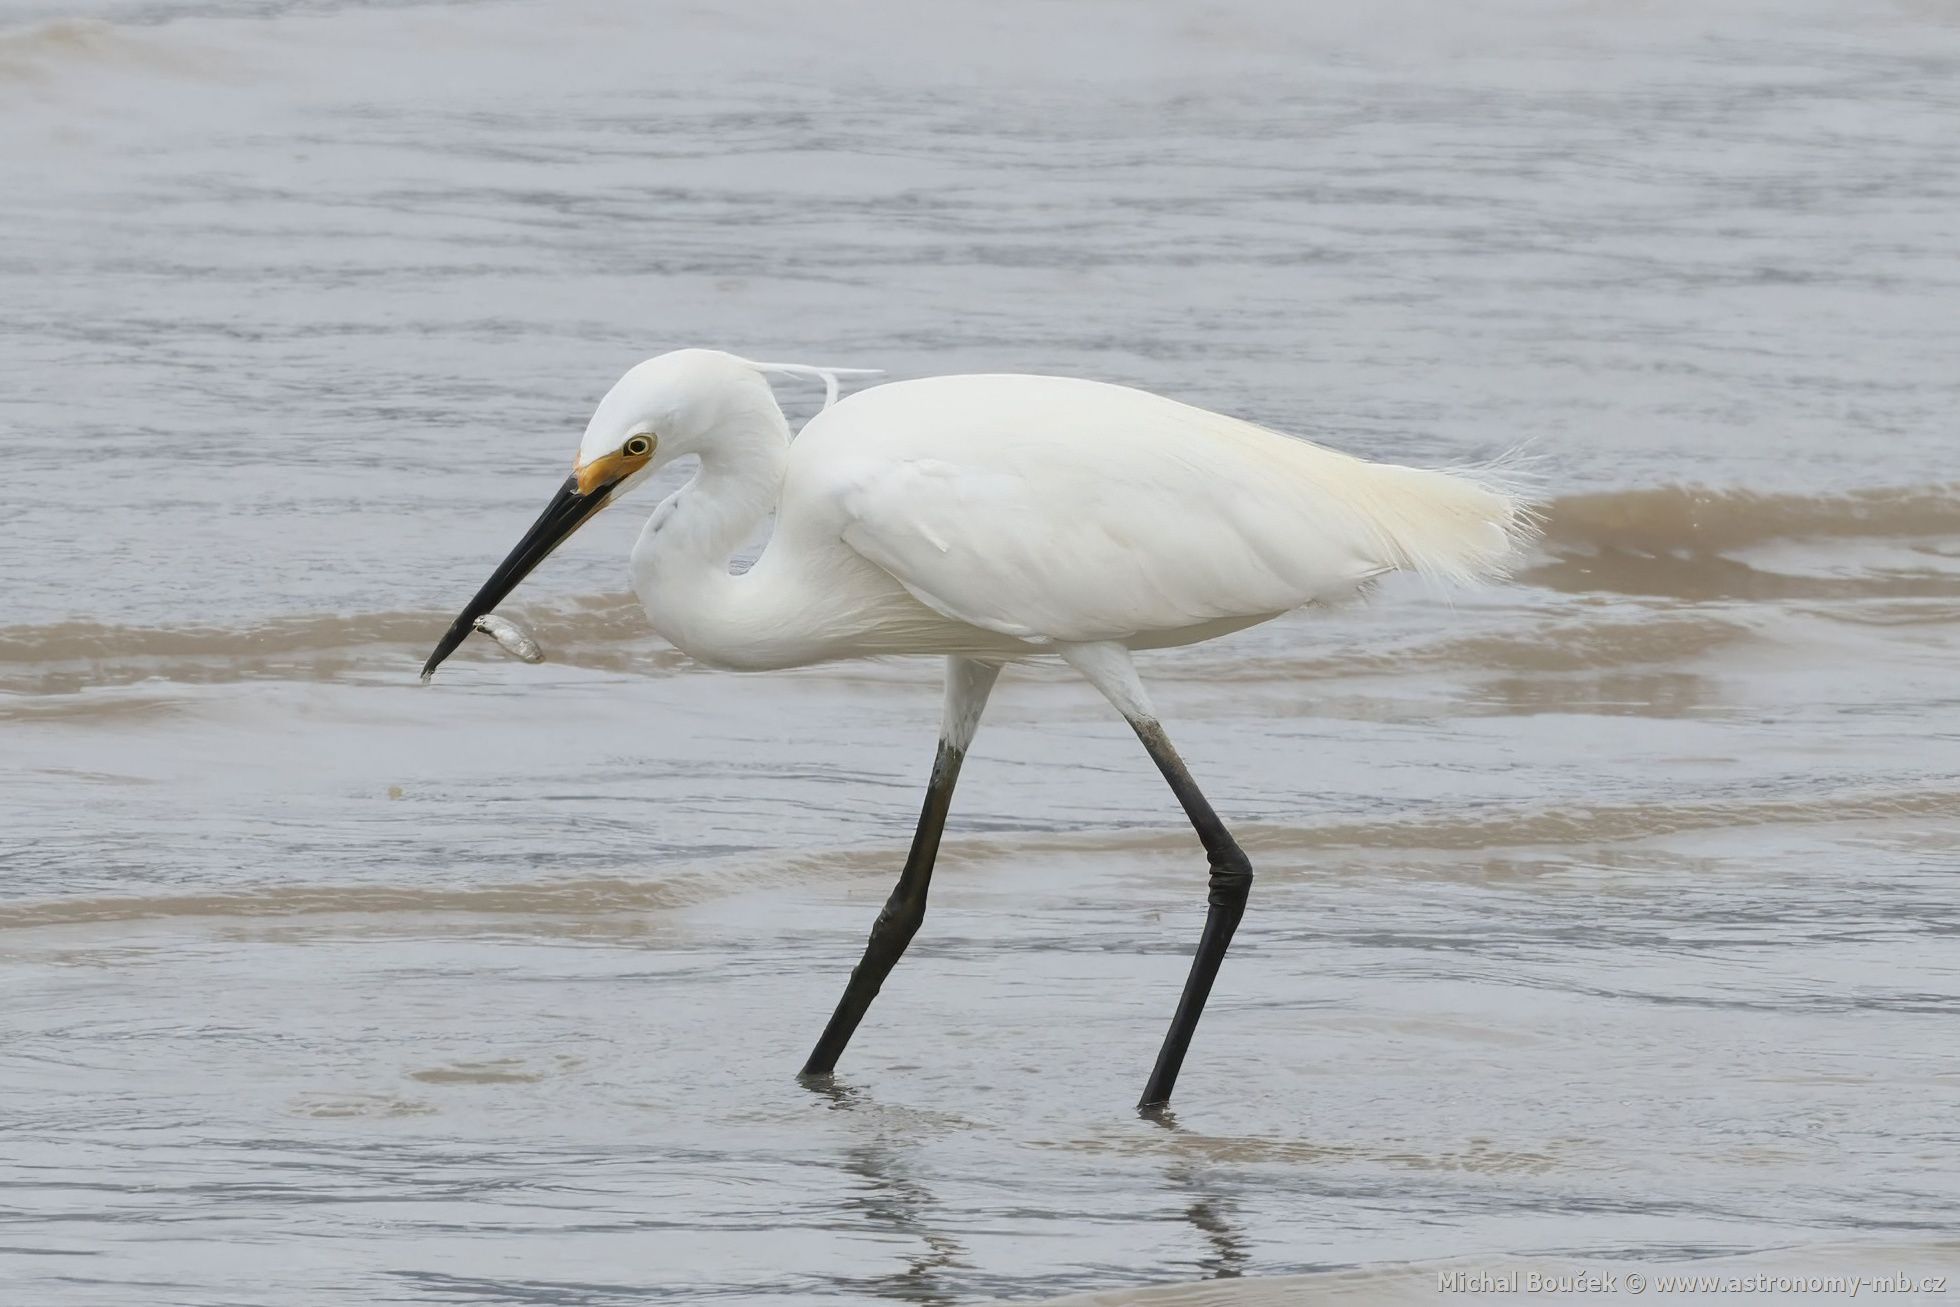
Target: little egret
{"type": "Point", "coordinates": [986, 519]}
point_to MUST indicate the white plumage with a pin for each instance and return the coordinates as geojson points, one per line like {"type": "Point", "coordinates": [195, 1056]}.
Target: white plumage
{"type": "Point", "coordinates": [1052, 509]}
{"type": "Point", "coordinates": [1000, 515]}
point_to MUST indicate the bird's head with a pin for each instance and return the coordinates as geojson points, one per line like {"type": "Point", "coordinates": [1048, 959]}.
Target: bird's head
{"type": "Point", "coordinates": [662, 409]}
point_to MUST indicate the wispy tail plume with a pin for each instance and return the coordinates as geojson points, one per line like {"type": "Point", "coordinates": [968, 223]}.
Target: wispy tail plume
{"type": "Point", "coordinates": [1461, 525]}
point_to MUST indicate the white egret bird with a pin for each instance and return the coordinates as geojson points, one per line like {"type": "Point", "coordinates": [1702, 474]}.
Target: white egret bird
{"type": "Point", "coordinates": [986, 519]}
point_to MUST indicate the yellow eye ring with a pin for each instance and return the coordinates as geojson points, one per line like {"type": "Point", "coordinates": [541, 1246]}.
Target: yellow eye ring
{"type": "Point", "coordinates": [638, 446]}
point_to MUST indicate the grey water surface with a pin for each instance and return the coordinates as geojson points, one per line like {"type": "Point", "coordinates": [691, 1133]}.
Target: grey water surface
{"type": "Point", "coordinates": [1606, 917]}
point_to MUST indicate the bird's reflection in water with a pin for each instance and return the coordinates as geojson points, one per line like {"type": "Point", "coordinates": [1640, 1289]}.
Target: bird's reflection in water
{"type": "Point", "coordinates": [895, 1200]}
{"type": "Point", "coordinates": [1210, 1212]}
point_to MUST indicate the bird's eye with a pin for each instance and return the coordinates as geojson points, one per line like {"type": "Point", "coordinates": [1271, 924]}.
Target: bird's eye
{"type": "Point", "coordinates": [639, 446]}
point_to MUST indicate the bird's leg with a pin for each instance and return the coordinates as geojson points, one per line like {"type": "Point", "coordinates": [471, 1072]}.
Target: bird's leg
{"type": "Point", "coordinates": [1109, 668]}
{"type": "Point", "coordinates": [898, 921]}
{"type": "Point", "coordinates": [1231, 882]}
{"type": "Point", "coordinates": [967, 685]}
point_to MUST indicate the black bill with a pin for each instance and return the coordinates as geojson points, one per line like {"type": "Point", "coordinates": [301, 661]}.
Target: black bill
{"type": "Point", "coordinates": [566, 513]}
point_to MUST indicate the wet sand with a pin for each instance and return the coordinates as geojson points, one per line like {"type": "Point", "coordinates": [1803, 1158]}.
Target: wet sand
{"type": "Point", "coordinates": [1603, 921]}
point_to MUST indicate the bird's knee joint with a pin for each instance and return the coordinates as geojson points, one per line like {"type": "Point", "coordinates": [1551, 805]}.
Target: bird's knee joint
{"type": "Point", "coordinates": [1231, 877]}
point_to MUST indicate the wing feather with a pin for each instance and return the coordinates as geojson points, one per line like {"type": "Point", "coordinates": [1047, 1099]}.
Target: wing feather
{"type": "Point", "coordinates": [1058, 510]}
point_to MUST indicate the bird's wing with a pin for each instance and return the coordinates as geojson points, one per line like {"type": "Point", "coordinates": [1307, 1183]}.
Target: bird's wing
{"type": "Point", "coordinates": [1006, 552]}
{"type": "Point", "coordinates": [1055, 510]}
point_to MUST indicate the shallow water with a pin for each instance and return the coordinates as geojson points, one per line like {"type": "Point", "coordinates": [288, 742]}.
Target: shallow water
{"type": "Point", "coordinates": [1603, 919]}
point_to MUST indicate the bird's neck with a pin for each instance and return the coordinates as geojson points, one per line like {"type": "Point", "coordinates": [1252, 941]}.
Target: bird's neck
{"type": "Point", "coordinates": [681, 562]}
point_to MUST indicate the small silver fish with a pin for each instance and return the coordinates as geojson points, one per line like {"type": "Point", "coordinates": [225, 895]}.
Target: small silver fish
{"type": "Point", "coordinates": [510, 637]}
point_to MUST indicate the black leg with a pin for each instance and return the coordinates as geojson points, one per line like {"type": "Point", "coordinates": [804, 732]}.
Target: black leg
{"type": "Point", "coordinates": [1231, 882]}
{"type": "Point", "coordinates": [900, 918]}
